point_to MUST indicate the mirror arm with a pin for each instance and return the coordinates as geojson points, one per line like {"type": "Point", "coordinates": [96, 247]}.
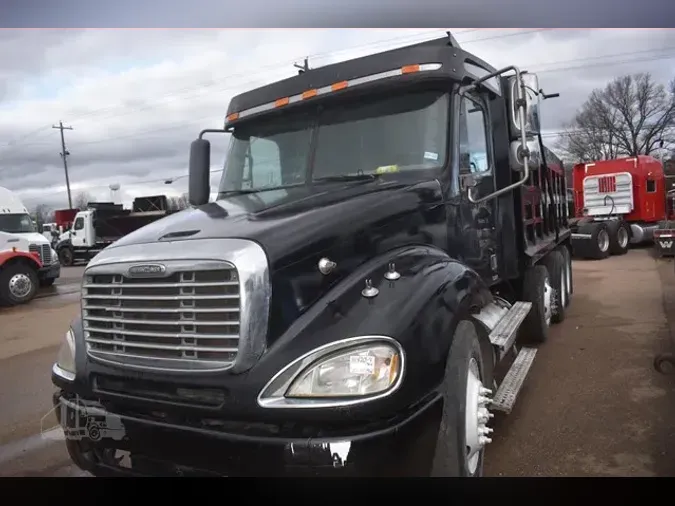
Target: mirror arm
{"type": "Point", "coordinates": [521, 102]}
{"type": "Point", "coordinates": [213, 131]}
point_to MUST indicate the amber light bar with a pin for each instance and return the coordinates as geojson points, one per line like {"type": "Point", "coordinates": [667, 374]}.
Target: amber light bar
{"type": "Point", "coordinates": [341, 85]}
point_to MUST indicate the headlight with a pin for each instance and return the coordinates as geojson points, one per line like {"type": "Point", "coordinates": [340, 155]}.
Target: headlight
{"type": "Point", "coordinates": [366, 370]}
{"type": "Point", "coordinates": [66, 357]}
{"type": "Point", "coordinates": [347, 372]}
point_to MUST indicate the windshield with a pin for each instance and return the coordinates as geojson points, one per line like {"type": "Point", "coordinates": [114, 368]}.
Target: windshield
{"type": "Point", "coordinates": [16, 223]}
{"type": "Point", "coordinates": [390, 134]}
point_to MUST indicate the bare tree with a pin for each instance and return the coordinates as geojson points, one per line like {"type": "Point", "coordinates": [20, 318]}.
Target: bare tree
{"type": "Point", "coordinates": [43, 214]}
{"type": "Point", "coordinates": [81, 200]}
{"type": "Point", "coordinates": [629, 117]}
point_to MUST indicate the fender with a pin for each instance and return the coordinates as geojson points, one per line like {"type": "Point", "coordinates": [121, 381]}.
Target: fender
{"type": "Point", "coordinates": [62, 244]}
{"type": "Point", "coordinates": [421, 310]}
{"type": "Point", "coordinates": [33, 258]}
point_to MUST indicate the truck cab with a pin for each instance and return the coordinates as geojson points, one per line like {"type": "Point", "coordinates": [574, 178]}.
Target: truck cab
{"type": "Point", "coordinates": [388, 247]}
{"type": "Point", "coordinates": [20, 246]}
{"type": "Point", "coordinates": [103, 223]}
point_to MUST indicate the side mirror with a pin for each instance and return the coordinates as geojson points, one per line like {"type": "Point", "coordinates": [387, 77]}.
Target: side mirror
{"type": "Point", "coordinates": [516, 155]}
{"type": "Point", "coordinates": [200, 172]}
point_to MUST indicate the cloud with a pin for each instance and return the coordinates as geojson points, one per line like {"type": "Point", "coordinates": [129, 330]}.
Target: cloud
{"type": "Point", "coordinates": [136, 98]}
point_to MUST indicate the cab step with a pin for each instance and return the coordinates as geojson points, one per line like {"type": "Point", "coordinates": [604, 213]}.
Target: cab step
{"type": "Point", "coordinates": [508, 390]}
{"type": "Point", "coordinates": [504, 334]}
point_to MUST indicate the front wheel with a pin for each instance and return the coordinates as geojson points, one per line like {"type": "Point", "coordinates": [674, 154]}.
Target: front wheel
{"type": "Point", "coordinates": [18, 284]}
{"type": "Point", "coordinates": [463, 431]}
{"type": "Point", "coordinates": [66, 257]}
{"type": "Point", "coordinates": [47, 282]}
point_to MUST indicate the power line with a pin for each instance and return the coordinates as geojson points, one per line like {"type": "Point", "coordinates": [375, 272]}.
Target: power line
{"type": "Point", "coordinates": [182, 125]}
{"type": "Point", "coordinates": [533, 69]}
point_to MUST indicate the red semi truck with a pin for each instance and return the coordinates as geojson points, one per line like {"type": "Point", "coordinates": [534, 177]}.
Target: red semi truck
{"type": "Point", "coordinates": [616, 202]}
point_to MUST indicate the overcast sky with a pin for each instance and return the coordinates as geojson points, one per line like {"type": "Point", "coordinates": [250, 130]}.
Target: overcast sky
{"type": "Point", "coordinates": [136, 98]}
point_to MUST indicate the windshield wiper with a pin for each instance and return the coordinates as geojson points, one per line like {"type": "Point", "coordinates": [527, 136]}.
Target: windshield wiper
{"type": "Point", "coordinates": [347, 177]}
{"type": "Point", "coordinates": [247, 191]}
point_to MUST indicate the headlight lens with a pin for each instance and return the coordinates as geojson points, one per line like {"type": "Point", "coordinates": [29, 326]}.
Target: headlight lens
{"type": "Point", "coordinates": [359, 371]}
{"type": "Point", "coordinates": [66, 357]}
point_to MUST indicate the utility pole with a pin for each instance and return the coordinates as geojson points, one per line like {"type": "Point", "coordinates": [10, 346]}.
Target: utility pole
{"type": "Point", "coordinates": [64, 153]}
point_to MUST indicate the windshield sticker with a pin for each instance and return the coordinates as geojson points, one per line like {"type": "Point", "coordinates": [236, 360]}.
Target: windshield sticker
{"type": "Point", "coordinates": [428, 155]}
{"type": "Point", "coordinates": [384, 169]}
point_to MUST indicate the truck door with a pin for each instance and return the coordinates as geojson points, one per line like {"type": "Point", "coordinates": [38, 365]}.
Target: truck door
{"type": "Point", "coordinates": [78, 234]}
{"type": "Point", "coordinates": [476, 164]}
{"type": "Point", "coordinates": [650, 200]}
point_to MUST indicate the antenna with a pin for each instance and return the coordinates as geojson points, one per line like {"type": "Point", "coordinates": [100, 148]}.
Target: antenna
{"type": "Point", "coordinates": [302, 68]}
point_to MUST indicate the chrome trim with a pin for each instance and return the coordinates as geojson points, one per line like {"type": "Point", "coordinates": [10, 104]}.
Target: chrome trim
{"type": "Point", "coordinates": [62, 373]}
{"type": "Point", "coordinates": [251, 264]}
{"type": "Point", "coordinates": [275, 398]}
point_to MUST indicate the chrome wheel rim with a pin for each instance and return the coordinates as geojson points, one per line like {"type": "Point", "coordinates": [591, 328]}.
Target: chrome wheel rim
{"type": "Point", "coordinates": [548, 302]}
{"type": "Point", "coordinates": [477, 416]}
{"type": "Point", "coordinates": [20, 285]}
{"type": "Point", "coordinates": [603, 240]}
{"type": "Point", "coordinates": [622, 237]}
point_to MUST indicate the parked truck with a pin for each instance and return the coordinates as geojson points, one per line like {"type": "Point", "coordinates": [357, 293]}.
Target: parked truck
{"type": "Point", "coordinates": [102, 223]}
{"type": "Point", "coordinates": [27, 260]}
{"type": "Point", "coordinates": [617, 202]}
{"type": "Point", "coordinates": [388, 247]}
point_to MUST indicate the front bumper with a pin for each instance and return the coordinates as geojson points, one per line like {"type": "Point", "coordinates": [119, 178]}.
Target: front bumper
{"type": "Point", "coordinates": [52, 271]}
{"type": "Point", "coordinates": [150, 447]}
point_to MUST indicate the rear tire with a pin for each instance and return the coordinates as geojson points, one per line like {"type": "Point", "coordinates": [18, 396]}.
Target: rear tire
{"type": "Point", "coordinates": [569, 275]}
{"type": "Point", "coordinates": [460, 444]}
{"type": "Point", "coordinates": [555, 265]}
{"type": "Point", "coordinates": [597, 246]}
{"type": "Point", "coordinates": [18, 284]}
{"type": "Point", "coordinates": [537, 289]}
{"type": "Point", "coordinates": [619, 237]}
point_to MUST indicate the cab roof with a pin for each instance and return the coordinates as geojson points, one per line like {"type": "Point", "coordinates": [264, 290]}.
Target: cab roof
{"type": "Point", "coordinates": [401, 64]}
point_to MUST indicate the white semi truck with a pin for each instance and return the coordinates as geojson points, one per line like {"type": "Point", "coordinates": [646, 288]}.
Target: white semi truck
{"type": "Point", "coordinates": [27, 259]}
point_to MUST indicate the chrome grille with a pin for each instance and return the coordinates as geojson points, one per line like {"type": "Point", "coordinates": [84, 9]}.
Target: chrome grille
{"type": "Point", "coordinates": [187, 320]}
{"type": "Point", "coordinates": [44, 250]}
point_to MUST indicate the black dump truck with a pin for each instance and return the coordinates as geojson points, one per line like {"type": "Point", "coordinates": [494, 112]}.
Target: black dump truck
{"type": "Point", "coordinates": [388, 247]}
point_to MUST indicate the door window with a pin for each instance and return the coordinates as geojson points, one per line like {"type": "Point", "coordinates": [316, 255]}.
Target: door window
{"type": "Point", "coordinates": [474, 157]}
{"type": "Point", "coordinates": [79, 224]}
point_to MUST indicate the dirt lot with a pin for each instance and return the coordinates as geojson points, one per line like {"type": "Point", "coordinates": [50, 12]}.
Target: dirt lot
{"type": "Point", "coordinates": [593, 405]}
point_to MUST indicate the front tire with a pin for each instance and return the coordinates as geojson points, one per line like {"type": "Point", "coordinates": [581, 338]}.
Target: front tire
{"type": "Point", "coordinates": [66, 257]}
{"type": "Point", "coordinates": [47, 282]}
{"type": "Point", "coordinates": [18, 284]}
{"type": "Point", "coordinates": [463, 431]}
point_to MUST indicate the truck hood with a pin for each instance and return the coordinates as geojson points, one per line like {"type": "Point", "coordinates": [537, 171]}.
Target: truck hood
{"type": "Point", "coordinates": [32, 237]}
{"type": "Point", "coordinates": [293, 223]}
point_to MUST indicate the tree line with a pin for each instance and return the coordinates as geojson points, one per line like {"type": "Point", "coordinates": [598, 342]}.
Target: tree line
{"type": "Point", "coordinates": [632, 115]}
